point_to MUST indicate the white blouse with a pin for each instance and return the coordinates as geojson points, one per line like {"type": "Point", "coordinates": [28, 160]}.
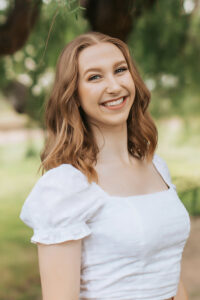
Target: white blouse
{"type": "Point", "coordinates": [131, 246]}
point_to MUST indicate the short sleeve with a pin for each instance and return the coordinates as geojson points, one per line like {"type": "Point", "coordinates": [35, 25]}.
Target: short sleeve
{"type": "Point", "coordinates": [163, 169]}
{"type": "Point", "coordinates": [59, 206]}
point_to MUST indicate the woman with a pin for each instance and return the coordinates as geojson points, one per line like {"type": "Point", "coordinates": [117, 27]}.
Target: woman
{"type": "Point", "coordinates": [107, 220]}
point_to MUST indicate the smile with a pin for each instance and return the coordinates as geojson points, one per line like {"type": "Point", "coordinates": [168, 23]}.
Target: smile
{"type": "Point", "coordinates": [115, 104]}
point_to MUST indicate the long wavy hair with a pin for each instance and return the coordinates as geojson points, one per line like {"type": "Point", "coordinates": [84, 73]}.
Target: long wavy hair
{"type": "Point", "coordinates": [69, 138]}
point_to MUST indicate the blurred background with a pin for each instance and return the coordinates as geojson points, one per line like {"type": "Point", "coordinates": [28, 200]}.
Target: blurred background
{"type": "Point", "coordinates": [164, 40]}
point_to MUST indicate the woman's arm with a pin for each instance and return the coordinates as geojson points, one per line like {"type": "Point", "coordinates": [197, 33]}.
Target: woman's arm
{"type": "Point", "coordinates": [181, 293]}
{"type": "Point", "coordinates": [59, 266]}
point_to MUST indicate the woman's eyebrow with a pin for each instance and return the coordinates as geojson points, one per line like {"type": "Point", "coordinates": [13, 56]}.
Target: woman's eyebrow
{"type": "Point", "coordinates": [99, 69]}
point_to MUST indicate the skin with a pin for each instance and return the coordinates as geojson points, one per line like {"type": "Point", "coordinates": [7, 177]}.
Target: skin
{"type": "Point", "coordinates": [111, 80]}
{"type": "Point", "coordinates": [181, 293]}
{"type": "Point", "coordinates": [60, 264]}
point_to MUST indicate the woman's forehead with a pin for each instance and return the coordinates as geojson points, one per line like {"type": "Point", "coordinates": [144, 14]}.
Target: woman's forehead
{"type": "Point", "coordinates": [98, 54]}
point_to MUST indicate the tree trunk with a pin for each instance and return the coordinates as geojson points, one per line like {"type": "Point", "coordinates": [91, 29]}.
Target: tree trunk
{"type": "Point", "coordinates": [20, 21]}
{"type": "Point", "coordinates": [115, 17]}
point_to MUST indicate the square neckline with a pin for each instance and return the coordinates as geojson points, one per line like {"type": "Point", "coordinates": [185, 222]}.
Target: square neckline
{"type": "Point", "coordinates": [138, 195]}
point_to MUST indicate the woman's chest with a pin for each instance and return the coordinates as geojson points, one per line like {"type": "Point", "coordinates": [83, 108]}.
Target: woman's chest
{"type": "Point", "coordinates": [140, 226]}
{"type": "Point", "coordinates": [139, 179]}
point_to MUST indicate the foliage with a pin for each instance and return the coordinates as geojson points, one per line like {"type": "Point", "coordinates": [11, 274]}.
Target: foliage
{"type": "Point", "coordinates": [34, 65]}
{"type": "Point", "coordinates": [166, 45]}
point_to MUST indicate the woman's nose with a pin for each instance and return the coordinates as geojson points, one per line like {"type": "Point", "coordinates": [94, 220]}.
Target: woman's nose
{"type": "Point", "coordinates": [112, 84]}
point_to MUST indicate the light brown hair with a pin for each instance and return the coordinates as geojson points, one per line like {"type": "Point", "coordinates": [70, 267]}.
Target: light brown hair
{"type": "Point", "coordinates": [69, 136]}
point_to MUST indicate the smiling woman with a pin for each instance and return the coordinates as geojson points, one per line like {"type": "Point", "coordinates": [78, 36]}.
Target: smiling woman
{"type": "Point", "coordinates": [106, 216]}
{"type": "Point", "coordinates": [93, 71]}
{"type": "Point", "coordinates": [107, 87]}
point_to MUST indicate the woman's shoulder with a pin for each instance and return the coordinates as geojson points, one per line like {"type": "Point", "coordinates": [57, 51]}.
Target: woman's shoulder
{"type": "Point", "coordinates": [64, 175]}
{"type": "Point", "coordinates": [162, 167]}
{"type": "Point", "coordinates": [58, 185]}
{"type": "Point", "coordinates": [59, 205]}
{"type": "Point", "coordinates": [160, 161]}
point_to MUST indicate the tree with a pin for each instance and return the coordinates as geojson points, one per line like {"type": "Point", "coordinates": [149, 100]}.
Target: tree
{"type": "Point", "coordinates": [20, 21]}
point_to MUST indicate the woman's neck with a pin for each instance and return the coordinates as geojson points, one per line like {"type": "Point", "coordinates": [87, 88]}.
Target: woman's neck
{"type": "Point", "coordinates": [112, 143]}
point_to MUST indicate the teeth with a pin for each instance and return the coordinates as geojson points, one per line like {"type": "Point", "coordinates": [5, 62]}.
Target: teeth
{"type": "Point", "coordinates": [115, 102]}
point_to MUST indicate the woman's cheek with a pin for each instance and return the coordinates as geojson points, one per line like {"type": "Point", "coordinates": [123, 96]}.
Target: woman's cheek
{"type": "Point", "coordinates": [95, 92]}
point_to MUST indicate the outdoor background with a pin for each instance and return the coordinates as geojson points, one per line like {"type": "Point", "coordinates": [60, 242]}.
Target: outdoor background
{"type": "Point", "coordinates": [164, 40]}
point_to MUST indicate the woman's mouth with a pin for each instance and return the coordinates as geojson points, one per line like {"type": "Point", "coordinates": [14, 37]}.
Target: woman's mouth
{"type": "Point", "coordinates": [115, 104]}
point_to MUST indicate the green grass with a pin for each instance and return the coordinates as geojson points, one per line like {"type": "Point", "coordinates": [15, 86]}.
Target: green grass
{"type": "Point", "coordinates": [18, 264]}
{"type": "Point", "coordinates": [179, 145]}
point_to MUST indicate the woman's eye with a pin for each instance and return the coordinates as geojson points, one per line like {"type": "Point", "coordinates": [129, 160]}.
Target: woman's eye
{"type": "Point", "coordinates": [93, 77]}
{"type": "Point", "coordinates": [121, 70]}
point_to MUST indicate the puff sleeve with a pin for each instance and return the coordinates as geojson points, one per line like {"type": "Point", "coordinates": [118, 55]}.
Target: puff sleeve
{"type": "Point", "coordinates": [59, 206]}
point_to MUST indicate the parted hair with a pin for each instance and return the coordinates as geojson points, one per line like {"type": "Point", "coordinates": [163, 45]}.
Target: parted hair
{"type": "Point", "coordinates": [69, 137]}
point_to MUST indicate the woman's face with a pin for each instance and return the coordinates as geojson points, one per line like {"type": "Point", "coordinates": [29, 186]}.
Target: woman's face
{"type": "Point", "coordinates": [106, 89]}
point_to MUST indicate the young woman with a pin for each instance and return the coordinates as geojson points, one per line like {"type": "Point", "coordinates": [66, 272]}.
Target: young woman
{"type": "Point", "coordinates": [106, 217]}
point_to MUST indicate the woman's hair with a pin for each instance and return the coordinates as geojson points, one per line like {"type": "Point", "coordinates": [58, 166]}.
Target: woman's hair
{"type": "Point", "coordinates": [70, 139]}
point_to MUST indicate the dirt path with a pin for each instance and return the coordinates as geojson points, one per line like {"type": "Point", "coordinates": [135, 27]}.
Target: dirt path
{"type": "Point", "coordinates": [191, 261]}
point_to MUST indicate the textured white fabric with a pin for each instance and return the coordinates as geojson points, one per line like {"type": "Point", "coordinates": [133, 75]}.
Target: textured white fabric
{"type": "Point", "coordinates": [131, 246]}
